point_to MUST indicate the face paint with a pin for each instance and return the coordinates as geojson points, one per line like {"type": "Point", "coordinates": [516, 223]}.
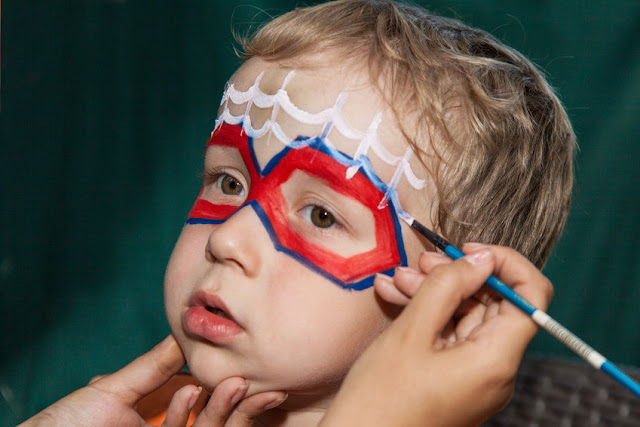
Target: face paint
{"type": "Point", "coordinates": [330, 118]}
{"type": "Point", "coordinates": [315, 158]}
{"type": "Point", "coordinates": [352, 177]}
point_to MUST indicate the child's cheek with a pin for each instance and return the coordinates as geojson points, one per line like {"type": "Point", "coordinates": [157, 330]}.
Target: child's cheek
{"type": "Point", "coordinates": [187, 259]}
{"type": "Point", "coordinates": [413, 247]}
{"type": "Point", "coordinates": [291, 283]}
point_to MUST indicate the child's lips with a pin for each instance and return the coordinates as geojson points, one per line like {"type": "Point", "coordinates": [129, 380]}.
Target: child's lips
{"type": "Point", "coordinates": [209, 318]}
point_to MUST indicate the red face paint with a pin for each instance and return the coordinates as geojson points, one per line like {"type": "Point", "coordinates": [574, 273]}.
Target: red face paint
{"type": "Point", "coordinates": [265, 196]}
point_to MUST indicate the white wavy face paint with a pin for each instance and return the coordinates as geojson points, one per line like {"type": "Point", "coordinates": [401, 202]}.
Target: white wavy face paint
{"type": "Point", "coordinates": [331, 118]}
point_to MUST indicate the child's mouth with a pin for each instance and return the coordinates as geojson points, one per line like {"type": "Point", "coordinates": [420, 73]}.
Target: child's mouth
{"type": "Point", "coordinates": [217, 312]}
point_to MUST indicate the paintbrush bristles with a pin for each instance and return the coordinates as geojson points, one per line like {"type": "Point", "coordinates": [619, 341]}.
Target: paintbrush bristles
{"type": "Point", "coordinates": [432, 237]}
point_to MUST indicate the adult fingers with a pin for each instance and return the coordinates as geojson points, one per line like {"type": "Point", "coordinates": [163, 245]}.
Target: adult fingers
{"type": "Point", "coordinates": [180, 407]}
{"type": "Point", "coordinates": [408, 281]}
{"type": "Point", "coordinates": [428, 260]}
{"type": "Point", "coordinates": [387, 290]}
{"type": "Point", "coordinates": [444, 288]}
{"type": "Point", "coordinates": [249, 408]}
{"type": "Point", "coordinates": [517, 329]}
{"type": "Point", "coordinates": [144, 374]}
{"type": "Point", "coordinates": [400, 292]}
{"type": "Point", "coordinates": [221, 403]}
{"type": "Point", "coordinates": [469, 316]}
{"type": "Point", "coordinates": [525, 278]}
{"type": "Point", "coordinates": [227, 407]}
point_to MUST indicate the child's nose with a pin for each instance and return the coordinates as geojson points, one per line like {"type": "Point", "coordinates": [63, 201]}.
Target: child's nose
{"type": "Point", "coordinates": [241, 241]}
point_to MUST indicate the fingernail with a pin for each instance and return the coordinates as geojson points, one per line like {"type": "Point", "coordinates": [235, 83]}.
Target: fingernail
{"type": "Point", "coordinates": [383, 278]}
{"type": "Point", "coordinates": [275, 403]}
{"type": "Point", "coordinates": [479, 257]}
{"type": "Point", "coordinates": [194, 398]}
{"type": "Point", "coordinates": [239, 393]}
{"type": "Point", "coordinates": [433, 254]}
{"type": "Point", "coordinates": [408, 270]}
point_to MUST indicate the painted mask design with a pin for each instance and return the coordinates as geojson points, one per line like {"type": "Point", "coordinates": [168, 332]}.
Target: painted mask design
{"type": "Point", "coordinates": [267, 196]}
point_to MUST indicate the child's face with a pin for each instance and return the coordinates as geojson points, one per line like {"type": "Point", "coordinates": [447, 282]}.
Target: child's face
{"type": "Point", "coordinates": [273, 264]}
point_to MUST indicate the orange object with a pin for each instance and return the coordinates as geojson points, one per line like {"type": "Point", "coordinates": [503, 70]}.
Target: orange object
{"type": "Point", "coordinates": [157, 420]}
{"type": "Point", "coordinates": [153, 407]}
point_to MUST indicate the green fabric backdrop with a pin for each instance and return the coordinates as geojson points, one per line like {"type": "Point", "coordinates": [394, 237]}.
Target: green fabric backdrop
{"type": "Point", "coordinates": [106, 105]}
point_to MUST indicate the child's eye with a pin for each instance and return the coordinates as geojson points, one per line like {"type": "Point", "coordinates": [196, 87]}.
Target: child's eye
{"type": "Point", "coordinates": [225, 182]}
{"type": "Point", "coordinates": [229, 185]}
{"type": "Point", "coordinates": [319, 216]}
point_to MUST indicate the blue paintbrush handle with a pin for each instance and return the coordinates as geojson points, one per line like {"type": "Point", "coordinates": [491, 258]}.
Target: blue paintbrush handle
{"type": "Point", "coordinates": [561, 333]}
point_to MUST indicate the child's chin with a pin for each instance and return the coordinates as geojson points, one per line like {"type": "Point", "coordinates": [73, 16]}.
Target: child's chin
{"type": "Point", "coordinates": [209, 375]}
{"type": "Point", "coordinates": [209, 378]}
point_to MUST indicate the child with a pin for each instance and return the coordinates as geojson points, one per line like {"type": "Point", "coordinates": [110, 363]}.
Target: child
{"type": "Point", "coordinates": [342, 116]}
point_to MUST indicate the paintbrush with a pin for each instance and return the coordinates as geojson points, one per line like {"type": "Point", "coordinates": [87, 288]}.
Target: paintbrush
{"type": "Point", "coordinates": [545, 321]}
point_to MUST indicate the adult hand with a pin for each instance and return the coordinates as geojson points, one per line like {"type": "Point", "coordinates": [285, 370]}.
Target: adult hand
{"type": "Point", "coordinates": [452, 355]}
{"type": "Point", "coordinates": [112, 399]}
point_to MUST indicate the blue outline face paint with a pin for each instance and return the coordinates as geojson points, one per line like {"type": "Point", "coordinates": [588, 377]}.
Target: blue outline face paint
{"type": "Point", "coordinates": [313, 157]}
{"type": "Point", "coordinates": [351, 176]}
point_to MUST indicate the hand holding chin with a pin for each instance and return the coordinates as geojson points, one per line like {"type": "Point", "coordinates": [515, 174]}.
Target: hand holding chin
{"type": "Point", "coordinates": [112, 399]}
{"type": "Point", "coordinates": [121, 398]}
{"type": "Point", "coordinates": [226, 406]}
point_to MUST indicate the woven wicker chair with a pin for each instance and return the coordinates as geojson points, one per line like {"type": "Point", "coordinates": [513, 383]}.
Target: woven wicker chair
{"type": "Point", "coordinates": [551, 392]}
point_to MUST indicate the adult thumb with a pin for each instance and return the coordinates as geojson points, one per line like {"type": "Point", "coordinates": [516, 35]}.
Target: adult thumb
{"type": "Point", "coordinates": [146, 373]}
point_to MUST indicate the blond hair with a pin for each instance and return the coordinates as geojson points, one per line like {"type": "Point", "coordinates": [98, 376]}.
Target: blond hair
{"type": "Point", "coordinates": [487, 126]}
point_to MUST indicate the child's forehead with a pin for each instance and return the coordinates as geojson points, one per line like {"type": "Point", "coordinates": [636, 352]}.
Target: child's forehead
{"type": "Point", "coordinates": [281, 104]}
{"type": "Point", "coordinates": [312, 91]}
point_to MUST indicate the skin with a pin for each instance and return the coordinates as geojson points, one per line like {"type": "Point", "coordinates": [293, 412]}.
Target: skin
{"type": "Point", "coordinates": [301, 333]}
{"type": "Point", "coordinates": [450, 325]}
{"type": "Point", "coordinates": [436, 377]}
{"type": "Point", "coordinates": [459, 361]}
